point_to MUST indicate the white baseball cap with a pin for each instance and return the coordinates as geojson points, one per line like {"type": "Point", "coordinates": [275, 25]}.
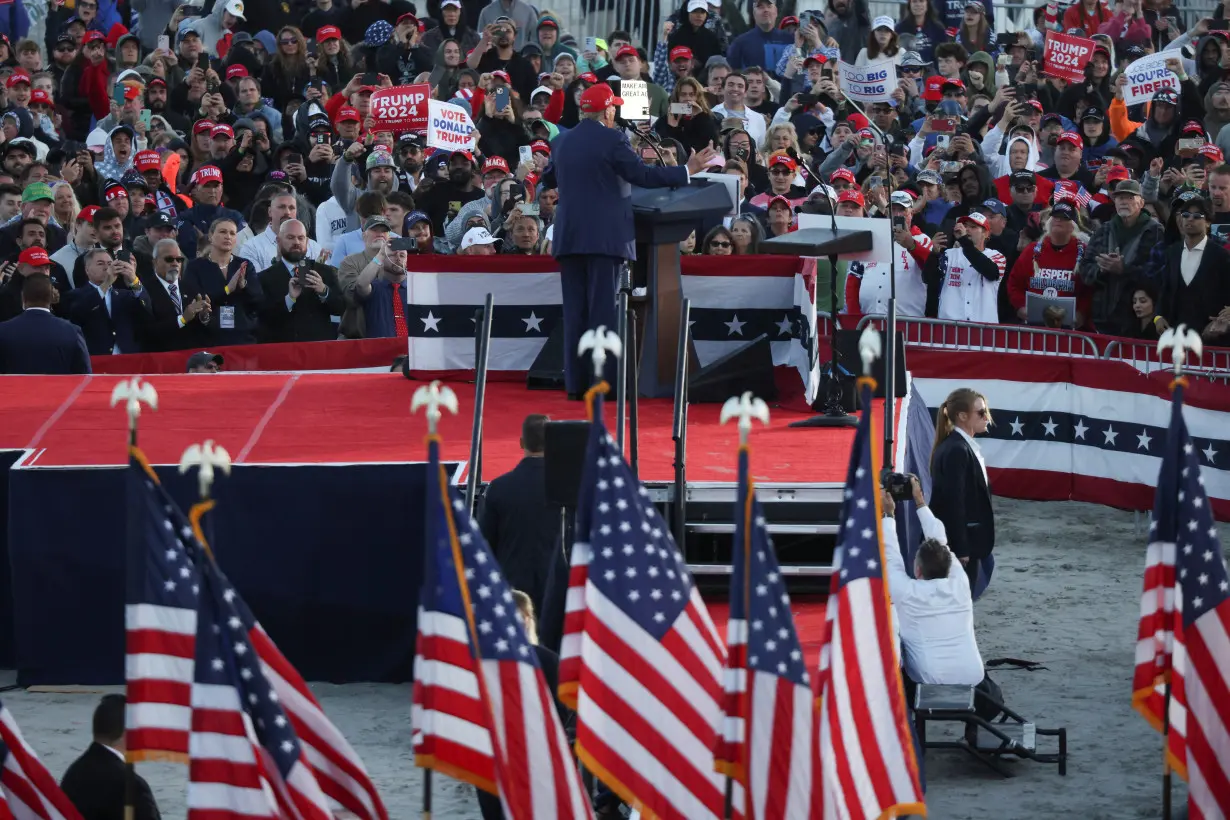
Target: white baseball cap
{"type": "Point", "coordinates": [479, 236]}
{"type": "Point", "coordinates": [235, 7]}
{"type": "Point", "coordinates": [902, 198]}
{"type": "Point", "coordinates": [884, 21]}
{"type": "Point", "coordinates": [444, 3]}
{"type": "Point", "coordinates": [697, 5]}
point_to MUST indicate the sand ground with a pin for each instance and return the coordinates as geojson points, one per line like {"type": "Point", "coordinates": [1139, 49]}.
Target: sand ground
{"type": "Point", "coordinates": [1066, 594]}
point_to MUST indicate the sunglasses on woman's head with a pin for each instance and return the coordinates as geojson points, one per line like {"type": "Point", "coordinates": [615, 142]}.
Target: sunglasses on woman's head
{"type": "Point", "coordinates": [718, 243]}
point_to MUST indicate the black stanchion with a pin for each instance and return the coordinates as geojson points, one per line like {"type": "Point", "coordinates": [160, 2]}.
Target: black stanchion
{"type": "Point", "coordinates": [679, 431]}
{"type": "Point", "coordinates": [480, 394]}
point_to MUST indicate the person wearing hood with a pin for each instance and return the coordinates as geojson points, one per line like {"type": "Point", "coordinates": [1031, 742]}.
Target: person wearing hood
{"type": "Point", "coordinates": [974, 183]}
{"type": "Point", "coordinates": [979, 74]}
{"type": "Point", "coordinates": [472, 215]}
{"type": "Point", "coordinates": [1020, 155]}
{"type": "Point", "coordinates": [217, 29]}
{"type": "Point", "coordinates": [249, 103]}
{"type": "Point", "coordinates": [1098, 139]}
{"type": "Point", "coordinates": [403, 57]}
{"type": "Point", "coordinates": [379, 175]}
{"type": "Point", "coordinates": [692, 33]}
{"type": "Point", "coordinates": [447, 69]}
{"type": "Point", "coordinates": [452, 26]}
{"type": "Point", "coordinates": [118, 152]}
{"type": "Point", "coordinates": [1159, 134]}
{"type": "Point", "coordinates": [458, 187]}
{"type": "Point", "coordinates": [849, 23]}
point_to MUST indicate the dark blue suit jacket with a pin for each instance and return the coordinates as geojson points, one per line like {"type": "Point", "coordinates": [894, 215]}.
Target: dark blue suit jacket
{"type": "Point", "coordinates": [85, 308]}
{"type": "Point", "coordinates": [595, 168]}
{"type": "Point", "coordinates": [37, 342]}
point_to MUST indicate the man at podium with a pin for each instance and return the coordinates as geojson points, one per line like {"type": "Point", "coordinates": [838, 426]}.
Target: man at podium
{"type": "Point", "coordinates": [595, 167]}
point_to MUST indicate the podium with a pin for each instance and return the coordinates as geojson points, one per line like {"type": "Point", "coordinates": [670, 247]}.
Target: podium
{"type": "Point", "coordinates": [664, 217]}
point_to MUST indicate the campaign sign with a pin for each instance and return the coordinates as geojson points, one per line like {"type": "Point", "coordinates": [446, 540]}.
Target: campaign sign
{"type": "Point", "coordinates": [449, 127]}
{"type": "Point", "coordinates": [1065, 56]}
{"type": "Point", "coordinates": [401, 108]}
{"type": "Point", "coordinates": [635, 94]}
{"type": "Point", "coordinates": [1147, 75]}
{"type": "Point", "coordinates": [874, 82]}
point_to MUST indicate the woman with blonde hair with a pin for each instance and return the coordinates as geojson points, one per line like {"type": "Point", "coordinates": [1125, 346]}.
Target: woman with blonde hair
{"type": "Point", "coordinates": [960, 489]}
{"type": "Point", "coordinates": [287, 71]}
{"type": "Point", "coordinates": [695, 130]}
{"type": "Point", "coordinates": [66, 206]}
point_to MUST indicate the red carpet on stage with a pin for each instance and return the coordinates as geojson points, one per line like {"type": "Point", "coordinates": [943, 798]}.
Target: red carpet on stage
{"type": "Point", "coordinates": [315, 418]}
{"type": "Point", "coordinates": [808, 620]}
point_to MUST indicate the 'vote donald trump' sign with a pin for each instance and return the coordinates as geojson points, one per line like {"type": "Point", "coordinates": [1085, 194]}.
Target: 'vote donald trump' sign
{"type": "Point", "coordinates": [449, 127]}
{"type": "Point", "coordinates": [874, 82]}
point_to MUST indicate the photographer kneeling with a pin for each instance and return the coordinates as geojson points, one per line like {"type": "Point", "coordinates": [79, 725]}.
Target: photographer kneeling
{"type": "Point", "coordinates": [934, 609]}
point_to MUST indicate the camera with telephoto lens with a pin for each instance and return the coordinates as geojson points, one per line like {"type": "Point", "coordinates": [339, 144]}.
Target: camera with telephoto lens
{"type": "Point", "coordinates": [897, 485]}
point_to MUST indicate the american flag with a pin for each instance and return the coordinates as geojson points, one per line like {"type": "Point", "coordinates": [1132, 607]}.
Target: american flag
{"type": "Point", "coordinates": [160, 619]}
{"type": "Point", "coordinates": [1073, 191]}
{"type": "Point", "coordinates": [768, 737]}
{"type": "Point", "coordinates": [29, 791]}
{"type": "Point", "coordinates": [247, 761]}
{"type": "Point", "coordinates": [867, 757]}
{"type": "Point", "coordinates": [641, 661]}
{"type": "Point", "coordinates": [482, 710]}
{"type": "Point", "coordinates": [1184, 635]}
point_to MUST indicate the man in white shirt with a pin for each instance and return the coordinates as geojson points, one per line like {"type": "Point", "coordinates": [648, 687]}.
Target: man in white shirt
{"type": "Point", "coordinates": [82, 239]}
{"type": "Point", "coordinates": [968, 275]}
{"type": "Point", "coordinates": [734, 90]}
{"type": "Point", "coordinates": [263, 249]}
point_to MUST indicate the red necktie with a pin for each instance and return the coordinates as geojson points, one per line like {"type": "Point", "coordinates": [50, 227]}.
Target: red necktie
{"type": "Point", "coordinates": [399, 313]}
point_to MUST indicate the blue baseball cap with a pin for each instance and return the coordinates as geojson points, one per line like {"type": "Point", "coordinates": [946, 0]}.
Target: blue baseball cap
{"type": "Point", "coordinates": [994, 206]}
{"type": "Point", "coordinates": [413, 218]}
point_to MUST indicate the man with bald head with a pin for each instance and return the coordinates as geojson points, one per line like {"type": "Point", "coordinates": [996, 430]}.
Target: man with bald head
{"type": "Point", "coordinates": [262, 249]}
{"type": "Point", "coordinates": [302, 295]}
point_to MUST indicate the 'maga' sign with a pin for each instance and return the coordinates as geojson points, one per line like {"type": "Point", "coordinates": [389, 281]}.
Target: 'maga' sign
{"type": "Point", "coordinates": [874, 82]}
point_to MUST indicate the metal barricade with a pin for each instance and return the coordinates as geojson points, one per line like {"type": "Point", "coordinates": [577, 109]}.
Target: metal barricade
{"type": "Point", "coordinates": [1212, 365]}
{"type": "Point", "coordinates": [941, 334]}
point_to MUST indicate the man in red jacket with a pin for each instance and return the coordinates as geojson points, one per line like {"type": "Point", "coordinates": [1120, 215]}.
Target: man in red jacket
{"type": "Point", "coordinates": [1048, 267]}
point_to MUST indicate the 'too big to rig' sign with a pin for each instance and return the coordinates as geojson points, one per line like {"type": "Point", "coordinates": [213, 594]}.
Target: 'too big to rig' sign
{"type": "Point", "coordinates": [874, 82]}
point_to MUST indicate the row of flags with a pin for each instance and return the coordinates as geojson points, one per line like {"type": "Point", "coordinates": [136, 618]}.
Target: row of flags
{"type": "Point", "coordinates": [675, 721]}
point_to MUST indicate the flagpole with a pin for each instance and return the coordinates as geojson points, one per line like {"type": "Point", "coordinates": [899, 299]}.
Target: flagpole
{"type": "Point", "coordinates": [133, 393]}
{"type": "Point", "coordinates": [1180, 340]}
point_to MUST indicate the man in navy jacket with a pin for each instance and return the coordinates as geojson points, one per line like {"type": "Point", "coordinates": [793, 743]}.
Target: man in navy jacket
{"type": "Point", "coordinates": [595, 167]}
{"type": "Point", "coordinates": [37, 342]}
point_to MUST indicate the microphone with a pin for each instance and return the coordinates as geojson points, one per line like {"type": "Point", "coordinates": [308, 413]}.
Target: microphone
{"type": "Point", "coordinates": [648, 135]}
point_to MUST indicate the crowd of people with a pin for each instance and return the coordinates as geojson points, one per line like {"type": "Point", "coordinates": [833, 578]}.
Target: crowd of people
{"type": "Point", "coordinates": [179, 176]}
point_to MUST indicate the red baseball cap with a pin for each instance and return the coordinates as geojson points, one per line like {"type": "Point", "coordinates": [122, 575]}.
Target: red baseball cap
{"type": "Point", "coordinates": [931, 90]}
{"type": "Point", "coordinates": [599, 97]}
{"type": "Point", "coordinates": [328, 33]}
{"type": "Point", "coordinates": [779, 200]}
{"type": "Point", "coordinates": [494, 164]}
{"type": "Point", "coordinates": [1189, 127]}
{"type": "Point", "coordinates": [86, 214]}
{"type": "Point", "coordinates": [147, 161]}
{"type": "Point", "coordinates": [410, 17]}
{"type": "Point", "coordinates": [1210, 152]}
{"type": "Point", "coordinates": [782, 158]}
{"type": "Point", "coordinates": [540, 145]}
{"type": "Point", "coordinates": [591, 77]}
{"type": "Point", "coordinates": [221, 130]}
{"type": "Point", "coordinates": [788, 20]}
{"type": "Point", "coordinates": [1034, 104]}
{"type": "Point", "coordinates": [956, 82]}
{"type": "Point", "coordinates": [114, 191]}
{"type": "Point", "coordinates": [349, 113]}
{"type": "Point", "coordinates": [843, 173]}
{"type": "Point", "coordinates": [681, 53]}
{"type": "Point", "coordinates": [1072, 138]}
{"type": "Point", "coordinates": [17, 77]}
{"type": "Point", "coordinates": [852, 195]}
{"type": "Point", "coordinates": [39, 97]}
{"type": "Point", "coordinates": [501, 75]}
{"type": "Point", "coordinates": [206, 173]}
{"type": "Point", "coordinates": [976, 218]}
{"type": "Point", "coordinates": [93, 37]}
{"type": "Point", "coordinates": [626, 51]}
{"type": "Point", "coordinates": [815, 58]}
{"type": "Point", "coordinates": [35, 256]}
{"type": "Point", "coordinates": [1117, 172]}
{"type": "Point", "coordinates": [203, 126]}
{"type": "Point", "coordinates": [237, 70]}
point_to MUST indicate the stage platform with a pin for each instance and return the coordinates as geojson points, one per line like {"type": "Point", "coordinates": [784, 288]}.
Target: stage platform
{"type": "Point", "coordinates": [364, 418]}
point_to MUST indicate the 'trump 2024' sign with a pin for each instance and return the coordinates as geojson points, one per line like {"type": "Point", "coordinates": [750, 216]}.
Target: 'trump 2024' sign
{"type": "Point", "coordinates": [401, 108]}
{"type": "Point", "coordinates": [449, 127]}
{"type": "Point", "coordinates": [1066, 55]}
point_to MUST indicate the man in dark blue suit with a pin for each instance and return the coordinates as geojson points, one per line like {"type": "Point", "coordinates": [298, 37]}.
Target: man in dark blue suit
{"type": "Point", "coordinates": [593, 236]}
{"type": "Point", "coordinates": [108, 316]}
{"type": "Point", "coordinates": [37, 342]}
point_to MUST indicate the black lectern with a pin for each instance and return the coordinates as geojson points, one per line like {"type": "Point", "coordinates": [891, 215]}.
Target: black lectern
{"type": "Point", "coordinates": [664, 217]}
{"type": "Point", "coordinates": [831, 242]}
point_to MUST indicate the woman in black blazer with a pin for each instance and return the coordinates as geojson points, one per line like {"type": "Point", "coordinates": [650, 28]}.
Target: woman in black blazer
{"type": "Point", "coordinates": [960, 493]}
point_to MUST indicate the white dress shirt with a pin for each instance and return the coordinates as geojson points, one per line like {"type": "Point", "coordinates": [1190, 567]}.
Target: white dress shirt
{"type": "Point", "coordinates": [1189, 261]}
{"type": "Point", "coordinates": [973, 445]}
{"type": "Point", "coordinates": [935, 618]}
{"type": "Point", "coordinates": [263, 249]}
{"type": "Point", "coordinates": [753, 122]}
{"type": "Point", "coordinates": [106, 297]}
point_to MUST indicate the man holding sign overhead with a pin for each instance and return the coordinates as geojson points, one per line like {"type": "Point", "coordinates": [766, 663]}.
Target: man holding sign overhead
{"type": "Point", "coordinates": [594, 167]}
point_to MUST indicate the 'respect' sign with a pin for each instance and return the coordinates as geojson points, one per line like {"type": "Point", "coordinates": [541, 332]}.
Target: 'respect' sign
{"type": "Point", "coordinates": [874, 82]}
{"type": "Point", "coordinates": [1066, 55]}
{"type": "Point", "coordinates": [401, 108]}
{"type": "Point", "coordinates": [449, 127]}
{"type": "Point", "coordinates": [1147, 76]}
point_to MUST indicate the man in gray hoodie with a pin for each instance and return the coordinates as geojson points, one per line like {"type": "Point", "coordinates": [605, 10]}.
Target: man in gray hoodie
{"type": "Point", "coordinates": [223, 20]}
{"type": "Point", "coordinates": [380, 175]}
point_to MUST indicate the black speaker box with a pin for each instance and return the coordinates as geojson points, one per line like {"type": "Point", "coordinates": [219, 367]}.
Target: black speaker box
{"type": "Point", "coordinates": [547, 371]}
{"type": "Point", "coordinates": [564, 452]}
{"type": "Point", "coordinates": [848, 357]}
{"type": "Point", "coordinates": [748, 368]}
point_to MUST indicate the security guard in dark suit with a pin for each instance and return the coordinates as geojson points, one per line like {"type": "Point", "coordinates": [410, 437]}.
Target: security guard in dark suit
{"type": "Point", "coordinates": [594, 167]}
{"type": "Point", "coordinates": [95, 781]}
{"type": "Point", "coordinates": [37, 342]}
